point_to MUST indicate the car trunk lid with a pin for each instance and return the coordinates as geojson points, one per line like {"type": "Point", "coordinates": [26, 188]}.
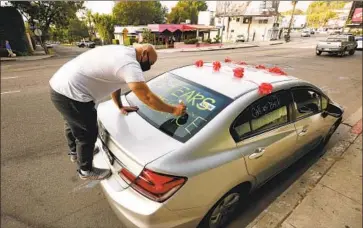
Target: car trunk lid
{"type": "Point", "coordinates": [131, 139]}
{"type": "Point", "coordinates": [329, 44]}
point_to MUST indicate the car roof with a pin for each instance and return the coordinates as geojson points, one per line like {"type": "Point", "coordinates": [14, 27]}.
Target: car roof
{"type": "Point", "coordinates": [224, 81]}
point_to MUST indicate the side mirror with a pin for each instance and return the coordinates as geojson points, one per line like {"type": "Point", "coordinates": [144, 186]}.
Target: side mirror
{"type": "Point", "coordinates": [332, 110]}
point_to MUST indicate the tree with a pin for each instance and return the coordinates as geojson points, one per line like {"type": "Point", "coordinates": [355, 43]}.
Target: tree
{"type": "Point", "coordinates": [289, 12]}
{"type": "Point", "coordinates": [43, 14]}
{"type": "Point", "coordinates": [139, 12]}
{"type": "Point", "coordinates": [104, 24]}
{"type": "Point", "coordinates": [147, 36]}
{"type": "Point", "coordinates": [77, 30]}
{"type": "Point", "coordinates": [186, 9]}
{"type": "Point", "coordinates": [320, 12]}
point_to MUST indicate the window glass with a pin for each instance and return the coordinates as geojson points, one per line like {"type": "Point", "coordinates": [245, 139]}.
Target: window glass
{"type": "Point", "coordinates": [324, 103]}
{"type": "Point", "coordinates": [266, 113]}
{"type": "Point", "coordinates": [307, 102]}
{"type": "Point", "coordinates": [203, 105]}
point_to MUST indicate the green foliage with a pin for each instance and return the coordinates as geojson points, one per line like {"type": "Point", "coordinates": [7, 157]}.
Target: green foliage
{"type": "Point", "coordinates": [127, 41]}
{"type": "Point", "coordinates": [139, 12]}
{"type": "Point", "coordinates": [104, 24]}
{"type": "Point", "coordinates": [217, 39]}
{"type": "Point", "coordinates": [289, 12]}
{"type": "Point", "coordinates": [77, 30]}
{"type": "Point", "coordinates": [12, 28]}
{"type": "Point", "coordinates": [209, 41]}
{"type": "Point", "coordinates": [58, 13]}
{"type": "Point", "coordinates": [319, 12]}
{"type": "Point", "coordinates": [191, 41]}
{"type": "Point", "coordinates": [115, 41]}
{"type": "Point", "coordinates": [147, 36]}
{"type": "Point", "coordinates": [186, 9]}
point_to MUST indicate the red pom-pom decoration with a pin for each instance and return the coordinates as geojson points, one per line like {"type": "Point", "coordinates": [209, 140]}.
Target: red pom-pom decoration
{"type": "Point", "coordinates": [216, 66]}
{"type": "Point", "coordinates": [199, 63]}
{"type": "Point", "coordinates": [238, 72]}
{"type": "Point", "coordinates": [228, 60]}
{"type": "Point", "coordinates": [242, 63]}
{"type": "Point", "coordinates": [265, 88]}
{"type": "Point", "coordinates": [260, 67]}
{"type": "Point", "coordinates": [276, 70]}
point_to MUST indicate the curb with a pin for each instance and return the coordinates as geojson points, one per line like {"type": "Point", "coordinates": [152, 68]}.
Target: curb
{"type": "Point", "coordinates": [277, 43]}
{"type": "Point", "coordinates": [220, 49]}
{"type": "Point", "coordinates": [281, 208]}
{"type": "Point", "coordinates": [17, 59]}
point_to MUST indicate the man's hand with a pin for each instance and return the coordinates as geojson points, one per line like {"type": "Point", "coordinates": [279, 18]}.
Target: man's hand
{"type": "Point", "coordinates": [126, 109]}
{"type": "Point", "coordinates": [179, 110]}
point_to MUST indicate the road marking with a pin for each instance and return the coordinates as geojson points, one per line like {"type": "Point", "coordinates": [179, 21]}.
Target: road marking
{"type": "Point", "coordinates": [15, 91]}
{"type": "Point", "coordinates": [5, 78]}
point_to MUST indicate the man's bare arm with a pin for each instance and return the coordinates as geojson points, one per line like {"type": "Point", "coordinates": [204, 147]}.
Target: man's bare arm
{"type": "Point", "coordinates": [116, 97]}
{"type": "Point", "coordinates": [143, 92]}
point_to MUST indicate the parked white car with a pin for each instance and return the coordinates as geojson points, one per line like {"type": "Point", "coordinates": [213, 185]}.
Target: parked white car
{"type": "Point", "coordinates": [194, 170]}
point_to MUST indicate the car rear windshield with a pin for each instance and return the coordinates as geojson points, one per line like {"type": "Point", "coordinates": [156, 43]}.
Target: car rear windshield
{"type": "Point", "coordinates": [203, 105]}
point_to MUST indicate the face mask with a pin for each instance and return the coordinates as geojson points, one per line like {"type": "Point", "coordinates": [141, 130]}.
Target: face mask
{"type": "Point", "coordinates": [145, 66]}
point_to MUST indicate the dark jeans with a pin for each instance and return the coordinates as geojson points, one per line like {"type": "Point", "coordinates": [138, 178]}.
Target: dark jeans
{"type": "Point", "coordinates": [80, 127]}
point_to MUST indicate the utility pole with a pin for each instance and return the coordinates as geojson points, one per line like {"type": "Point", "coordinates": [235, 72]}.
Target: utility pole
{"type": "Point", "coordinates": [292, 17]}
{"type": "Point", "coordinates": [226, 4]}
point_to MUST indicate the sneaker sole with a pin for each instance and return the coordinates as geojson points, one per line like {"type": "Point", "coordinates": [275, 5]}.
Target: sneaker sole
{"type": "Point", "coordinates": [87, 178]}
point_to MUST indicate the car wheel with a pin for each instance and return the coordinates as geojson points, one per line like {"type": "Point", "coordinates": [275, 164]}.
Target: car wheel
{"type": "Point", "coordinates": [224, 209]}
{"type": "Point", "coordinates": [342, 53]}
{"type": "Point", "coordinates": [318, 52]}
{"type": "Point", "coordinates": [351, 52]}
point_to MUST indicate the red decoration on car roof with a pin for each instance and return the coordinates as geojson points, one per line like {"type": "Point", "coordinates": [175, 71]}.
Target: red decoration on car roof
{"type": "Point", "coordinates": [276, 70]}
{"type": "Point", "coordinates": [216, 66]}
{"type": "Point", "coordinates": [260, 67]}
{"type": "Point", "coordinates": [228, 60]}
{"type": "Point", "coordinates": [265, 88]}
{"type": "Point", "coordinates": [238, 72]}
{"type": "Point", "coordinates": [242, 63]}
{"type": "Point", "coordinates": [199, 63]}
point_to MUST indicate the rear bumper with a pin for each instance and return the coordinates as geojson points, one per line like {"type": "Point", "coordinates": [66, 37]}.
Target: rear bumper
{"type": "Point", "coordinates": [329, 49]}
{"type": "Point", "coordinates": [133, 209]}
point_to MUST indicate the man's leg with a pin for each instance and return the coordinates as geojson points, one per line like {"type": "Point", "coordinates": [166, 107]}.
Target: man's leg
{"type": "Point", "coordinates": [82, 120]}
{"type": "Point", "coordinates": [71, 142]}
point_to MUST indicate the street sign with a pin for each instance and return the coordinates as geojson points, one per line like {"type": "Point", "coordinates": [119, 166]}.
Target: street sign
{"type": "Point", "coordinates": [38, 32]}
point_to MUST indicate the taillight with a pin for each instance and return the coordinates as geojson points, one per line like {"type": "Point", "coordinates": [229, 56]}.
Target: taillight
{"type": "Point", "coordinates": [155, 186]}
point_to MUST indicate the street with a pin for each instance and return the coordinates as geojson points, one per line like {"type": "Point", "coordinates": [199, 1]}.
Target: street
{"type": "Point", "coordinates": [38, 179]}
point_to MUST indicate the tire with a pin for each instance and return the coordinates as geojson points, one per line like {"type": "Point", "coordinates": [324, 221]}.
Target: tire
{"type": "Point", "coordinates": [318, 52]}
{"type": "Point", "coordinates": [351, 52]}
{"type": "Point", "coordinates": [224, 209]}
{"type": "Point", "coordinates": [342, 53]}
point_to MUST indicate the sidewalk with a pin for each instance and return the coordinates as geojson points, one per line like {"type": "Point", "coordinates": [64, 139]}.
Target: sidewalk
{"type": "Point", "coordinates": [329, 194]}
{"type": "Point", "coordinates": [37, 55]}
{"type": "Point", "coordinates": [227, 46]}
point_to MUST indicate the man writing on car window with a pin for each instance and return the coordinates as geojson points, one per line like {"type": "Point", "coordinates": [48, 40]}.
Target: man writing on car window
{"type": "Point", "coordinates": [88, 78]}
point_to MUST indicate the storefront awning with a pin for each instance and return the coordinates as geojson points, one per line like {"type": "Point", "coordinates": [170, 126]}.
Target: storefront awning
{"type": "Point", "coordinates": [180, 27]}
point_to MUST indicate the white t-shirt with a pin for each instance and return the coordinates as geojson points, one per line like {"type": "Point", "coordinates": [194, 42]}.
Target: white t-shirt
{"type": "Point", "coordinates": [97, 73]}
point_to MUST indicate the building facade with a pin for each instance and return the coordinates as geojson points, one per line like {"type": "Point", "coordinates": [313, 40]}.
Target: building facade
{"type": "Point", "coordinates": [255, 20]}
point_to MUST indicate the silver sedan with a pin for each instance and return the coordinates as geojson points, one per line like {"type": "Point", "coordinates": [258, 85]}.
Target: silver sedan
{"type": "Point", "coordinates": [244, 125]}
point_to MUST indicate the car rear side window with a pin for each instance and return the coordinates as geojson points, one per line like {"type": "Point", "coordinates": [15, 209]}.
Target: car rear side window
{"type": "Point", "coordinates": [265, 114]}
{"type": "Point", "coordinates": [307, 102]}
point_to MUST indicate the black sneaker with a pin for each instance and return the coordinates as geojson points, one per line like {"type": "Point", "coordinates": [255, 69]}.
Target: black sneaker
{"type": "Point", "coordinates": [73, 156]}
{"type": "Point", "coordinates": [95, 174]}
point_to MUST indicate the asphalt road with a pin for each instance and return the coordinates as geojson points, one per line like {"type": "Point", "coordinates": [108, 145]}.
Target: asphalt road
{"type": "Point", "coordinates": [37, 178]}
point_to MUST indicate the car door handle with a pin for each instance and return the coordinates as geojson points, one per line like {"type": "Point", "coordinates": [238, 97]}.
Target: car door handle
{"type": "Point", "coordinates": [259, 152]}
{"type": "Point", "coordinates": [303, 132]}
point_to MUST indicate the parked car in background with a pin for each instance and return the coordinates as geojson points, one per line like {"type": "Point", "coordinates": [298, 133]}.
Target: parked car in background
{"type": "Point", "coordinates": [359, 40]}
{"type": "Point", "coordinates": [339, 44]}
{"type": "Point", "coordinates": [239, 38]}
{"type": "Point", "coordinates": [305, 33]}
{"type": "Point", "coordinates": [195, 169]}
{"type": "Point", "coordinates": [88, 44]}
